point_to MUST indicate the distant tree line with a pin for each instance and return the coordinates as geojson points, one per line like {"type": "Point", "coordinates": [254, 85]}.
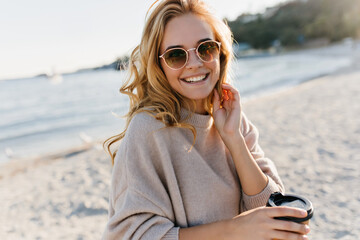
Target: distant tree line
{"type": "Point", "coordinates": [291, 23]}
{"type": "Point", "coordinates": [119, 64]}
{"type": "Point", "coordinates": [122, 62]}
{"type": "Point", "coordinates": [296, 22]}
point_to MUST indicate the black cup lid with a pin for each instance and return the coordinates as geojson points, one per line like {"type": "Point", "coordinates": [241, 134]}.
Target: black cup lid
{"type": "Point", "coordinates": [291, 200]}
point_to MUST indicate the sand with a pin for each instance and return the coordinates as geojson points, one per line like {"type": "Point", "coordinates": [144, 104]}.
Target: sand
{"type": "Point", "coordinates": [310, 131]}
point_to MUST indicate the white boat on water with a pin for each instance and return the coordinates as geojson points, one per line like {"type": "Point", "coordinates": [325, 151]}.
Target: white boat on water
{"type": "Point", "coordinates": [54, 77]}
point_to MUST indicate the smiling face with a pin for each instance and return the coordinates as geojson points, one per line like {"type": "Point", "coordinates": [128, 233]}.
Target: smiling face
{"type": "Point", "coordinates": [197, 79]}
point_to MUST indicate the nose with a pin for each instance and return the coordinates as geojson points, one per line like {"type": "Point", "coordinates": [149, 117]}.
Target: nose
{"type": "Point", "coordinates": [194, 61]}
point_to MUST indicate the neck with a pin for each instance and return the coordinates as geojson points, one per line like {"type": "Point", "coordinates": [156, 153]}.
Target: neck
{"type": "Point", "coordinates": [199, 106]}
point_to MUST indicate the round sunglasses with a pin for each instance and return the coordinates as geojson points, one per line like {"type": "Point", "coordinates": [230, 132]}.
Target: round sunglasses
{"type": "Point", "coordinates": [177, 58]}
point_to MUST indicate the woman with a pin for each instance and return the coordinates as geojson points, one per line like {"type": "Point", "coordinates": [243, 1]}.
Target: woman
{"type": "Point", "coordinates": [189, 165]}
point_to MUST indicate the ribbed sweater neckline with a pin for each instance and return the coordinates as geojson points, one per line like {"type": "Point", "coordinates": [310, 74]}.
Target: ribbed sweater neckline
{"type": "Point", "coordinates": [195, 119]}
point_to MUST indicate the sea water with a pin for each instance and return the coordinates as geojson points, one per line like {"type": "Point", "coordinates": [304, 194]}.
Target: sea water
{"type": "Point", "coordinates": [38, 117]}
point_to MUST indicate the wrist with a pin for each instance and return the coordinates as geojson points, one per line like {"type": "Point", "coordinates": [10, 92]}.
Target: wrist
{"type": "Point", "coordinates": [228, 229]}
{"type": "Point", "coordinates": [235, 142]}
{"type": "Point", "coordinates": [215, 230]}
{"type": "Point", "coordinates": [234, 228]}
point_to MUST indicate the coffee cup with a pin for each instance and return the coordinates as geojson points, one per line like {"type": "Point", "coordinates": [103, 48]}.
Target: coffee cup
{"type": "Point", "coordinates": [292, 200]}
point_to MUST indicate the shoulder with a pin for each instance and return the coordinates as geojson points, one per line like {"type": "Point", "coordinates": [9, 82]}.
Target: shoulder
{"type": "Point", "coordinates": [144, 122]}
{"type": "Point", "coordinates": [145, 129]}
{"type": "Point", "coordinates": [146, 140]}
{"type": "Point", "coordinates": [139, 137]}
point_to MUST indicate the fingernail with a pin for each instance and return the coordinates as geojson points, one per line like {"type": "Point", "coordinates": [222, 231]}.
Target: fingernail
{"type": "Point", "coordinates": [307, 229]}
{"type": "Point", "coordinates": [305, 237]}
{"type": "Point", "coordinates": [304, 213]}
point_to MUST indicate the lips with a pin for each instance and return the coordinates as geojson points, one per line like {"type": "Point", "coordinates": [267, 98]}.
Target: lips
{"type": "Point", "coordinates": [195, 79]}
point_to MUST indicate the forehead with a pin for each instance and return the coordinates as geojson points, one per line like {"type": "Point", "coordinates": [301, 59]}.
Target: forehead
{"type": "Point", "coordinates": [185, 30]}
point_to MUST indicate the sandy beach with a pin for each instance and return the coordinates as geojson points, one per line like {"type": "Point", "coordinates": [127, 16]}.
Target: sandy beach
{"type": "Point", "coordinates": [313, 138]}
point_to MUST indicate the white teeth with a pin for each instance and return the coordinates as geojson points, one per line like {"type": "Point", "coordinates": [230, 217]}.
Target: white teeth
{"type": "Point", "coordinates": [195, 79]}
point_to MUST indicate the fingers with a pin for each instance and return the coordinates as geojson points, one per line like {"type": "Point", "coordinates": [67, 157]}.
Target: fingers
{"type": "Point", "coordinates": [290, 226]}
{"type": "Point", "coordinates": [225, 95]}
{"type": "Point", "coordinates": [216, 101]}
{"type": "Point", "coordinates": [286, 227]}
{"type": "Point", "coordinates": [288, 235]}
{"type": "Point", "coordinates": [230, 92]}
{"type": "Point", "coordinates": [230, 97]}
{"type": "Point", "coordinates": [286, 211]}
{"type": "Point", "coordinates": [226, 100]}
{"type": "Point", "coordinates": [259, 225]}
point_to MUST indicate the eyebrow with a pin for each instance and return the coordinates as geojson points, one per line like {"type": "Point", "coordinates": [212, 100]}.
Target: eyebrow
{"type": "Point", "coordinates": [181, 46]}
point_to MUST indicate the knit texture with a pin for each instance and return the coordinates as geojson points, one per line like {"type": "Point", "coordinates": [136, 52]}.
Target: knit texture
{"type": "Point", "coordinates": [161, 183]}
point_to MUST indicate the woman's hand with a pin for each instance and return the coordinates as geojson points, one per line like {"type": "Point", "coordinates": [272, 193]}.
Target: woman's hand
{"type": "Point", "coordinates": [227, 113]}
{"type": "Point", "coordinates": [259, 224]}
{"type": "Point", "coordinates": [256, 224]}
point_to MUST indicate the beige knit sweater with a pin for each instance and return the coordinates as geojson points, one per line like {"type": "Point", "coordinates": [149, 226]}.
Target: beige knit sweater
{"type": "Point", "coordinates": [158, 185]}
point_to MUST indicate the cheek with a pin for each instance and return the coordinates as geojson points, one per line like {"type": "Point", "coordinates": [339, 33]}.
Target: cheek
{"type": "Point", "coordinates": [165, 70]}
{"type": "Point", "coordinates": [170, 75]}
{"type": "Point", "coordinates": [162, 66]}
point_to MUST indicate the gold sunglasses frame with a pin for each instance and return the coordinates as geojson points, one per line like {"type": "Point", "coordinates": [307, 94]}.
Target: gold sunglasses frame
{"type": "Point", "coordinates": [187, 53]}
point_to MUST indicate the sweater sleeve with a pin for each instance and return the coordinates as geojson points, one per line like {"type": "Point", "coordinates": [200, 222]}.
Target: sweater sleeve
{"type": "Point", "coordinates": [139, 204]}
{"type": "Point", "coordinates": [138, 217]}
{"type": "Point", "coordinates": [251, 136]}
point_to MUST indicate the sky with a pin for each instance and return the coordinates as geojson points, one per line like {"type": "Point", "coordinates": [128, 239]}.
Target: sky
{"type": "Point", "coordinates": [45, 36]}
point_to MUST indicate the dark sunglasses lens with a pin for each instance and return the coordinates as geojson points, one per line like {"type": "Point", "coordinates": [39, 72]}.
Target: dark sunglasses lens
{"type": "Point", "coordinates": [175, 58]}
{"type": "Point", "coordinates": [208, 51]}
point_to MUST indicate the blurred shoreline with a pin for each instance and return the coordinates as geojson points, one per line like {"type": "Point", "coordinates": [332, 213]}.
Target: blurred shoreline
{"type": "Point", "coordinates": [243, 54]}
{"type": "Point", "coordinates": [90, 143]}
{"type": "Point", "coordinates": [50, 118]}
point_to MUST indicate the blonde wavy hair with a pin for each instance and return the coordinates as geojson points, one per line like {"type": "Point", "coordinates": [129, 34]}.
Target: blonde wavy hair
{"type": "Point", "coordinates": [146, 85]}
